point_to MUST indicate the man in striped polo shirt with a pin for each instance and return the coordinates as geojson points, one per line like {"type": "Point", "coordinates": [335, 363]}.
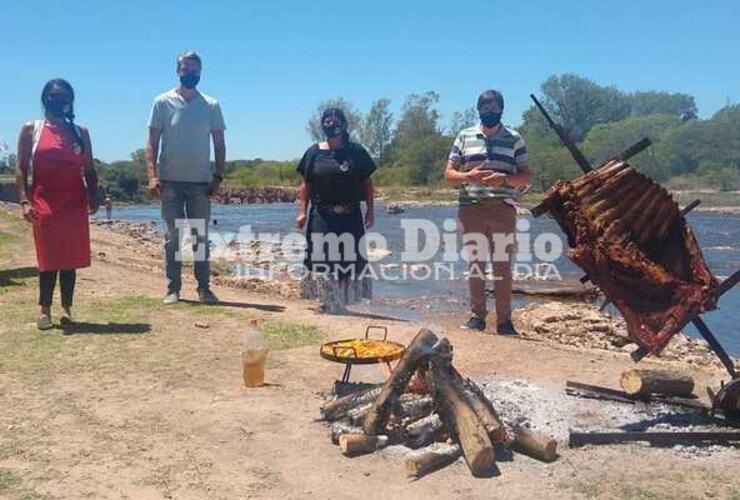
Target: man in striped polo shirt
{"type": "Point", "coordinates": [489, 163]}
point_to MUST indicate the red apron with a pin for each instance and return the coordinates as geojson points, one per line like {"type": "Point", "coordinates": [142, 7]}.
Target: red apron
{"type": "Point", "coordinates": [61, 230]}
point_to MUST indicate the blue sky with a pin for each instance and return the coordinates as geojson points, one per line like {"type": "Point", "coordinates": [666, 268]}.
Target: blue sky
{"type": "Point", "coordinates": [271, 63]}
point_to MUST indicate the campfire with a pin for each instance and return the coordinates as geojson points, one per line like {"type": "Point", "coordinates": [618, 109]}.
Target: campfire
{"type": "Point", "coordinates": [426, 402]}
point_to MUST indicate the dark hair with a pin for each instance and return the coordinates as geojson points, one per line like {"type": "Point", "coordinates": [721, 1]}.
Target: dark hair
{"type": "Point", "coordinates": [490, 95]}
{"type": "Point", "coordinates": [189, 54]}
{"type": "Point", "coordinates": [337, 114]}
{"type": "Point", "coordinates": [69, 117]}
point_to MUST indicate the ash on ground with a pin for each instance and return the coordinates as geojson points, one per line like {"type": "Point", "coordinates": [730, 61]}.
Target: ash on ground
{"type": "Point", "coordinates": [556, 413]}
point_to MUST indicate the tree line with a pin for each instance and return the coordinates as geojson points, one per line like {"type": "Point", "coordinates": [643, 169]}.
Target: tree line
{"type": "Point", "coordinates": [411, 149]}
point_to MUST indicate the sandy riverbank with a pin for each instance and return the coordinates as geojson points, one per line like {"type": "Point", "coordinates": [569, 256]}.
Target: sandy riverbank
{"type": "Point", "coordinates": [146, 401]}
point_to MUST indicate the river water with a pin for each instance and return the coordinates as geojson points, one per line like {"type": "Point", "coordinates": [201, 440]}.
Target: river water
{"type": "Point", "coordinates": [401, 294]}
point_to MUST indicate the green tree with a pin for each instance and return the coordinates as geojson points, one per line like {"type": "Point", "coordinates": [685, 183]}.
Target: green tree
{"type": "Point", "coordinates": [418, 146]}
{"type": "Point", "coordinates": [654, 102]}
{"type": "Point", "coordinates": [608, 139]}
{"type": "Point", "coordinates": [376, 133]}
{"type": "Point", "coordinates": [463, 119]}
{"type": "Point", "coordinates": [714, 140]}
{"type": "Point", "coordinates": [139, 157]}
{"type": "Point", "coordinates": [535, 130]}
{"type": "Point", "coordinates": [354, 118]}
{"type": "Point", "coordinates": [418, 117]}
{"type": "Point", "coordinates": [578, 103]}
{"type": "Point", "coordinates": [126, 179]}
{"type": "Point", "coordinates": [264, 173]}
{"type": "Point", "coordinates": [719, 175]}
{"type": "Point", "coordinates": [425, 158]}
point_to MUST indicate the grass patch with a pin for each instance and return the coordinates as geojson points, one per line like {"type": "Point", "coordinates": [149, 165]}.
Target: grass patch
{"type": "Point", "coordinates": [587, 489]}
{"type": "Point", "coordinates": [132, 308]}
{"type": "Point", "coordinates": [10, 216]}
{"type": "Point", "coordinates": [26, 350]}
{"type": "Point", "coordinates": [714, 199]}
{"type": "Point", "coordinates": [206, 311]}
{"type": "Point", "coordinates": [30, 352]}
{"type": "Point", "coordinates": [8, 480]}
{"type": "Point", "coordinates": [630, 492]}
{"type": "Point", "coordinates": [284, 335]}
{"type": "Point", "coordinates": [7, 238]}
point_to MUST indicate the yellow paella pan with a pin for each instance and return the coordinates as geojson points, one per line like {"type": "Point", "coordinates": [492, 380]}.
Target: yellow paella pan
{"type": "Point", "coordinates": [366, 351]}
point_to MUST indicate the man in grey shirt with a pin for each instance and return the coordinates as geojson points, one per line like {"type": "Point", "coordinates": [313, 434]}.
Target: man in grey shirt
{"type": "Point", "coordinates": [184, 121]}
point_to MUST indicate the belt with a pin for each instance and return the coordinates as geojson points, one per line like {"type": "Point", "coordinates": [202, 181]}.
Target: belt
{"type": "Point", "coordinates": [337, 208]}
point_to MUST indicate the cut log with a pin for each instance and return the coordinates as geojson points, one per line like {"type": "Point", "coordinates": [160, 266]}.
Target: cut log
{"type": "Point", "coordinates": [534, 444]}
{"type": "Point", "coordinates": [418, 352]}
{"type": "Point", "coordinates": [460, 418]}
{"type": "Point", "coordinates": [356, 416]}
{"type": "Point", "coordinates": [424, 431]}
{"type": "Point", "coordinates": [359, 444]}
{"type": "Point", "coordinates": [340, 428]}
{"type": "Point", "coordinates": [482, 407]}
{"type": "Point", "coordinates": [423, 463]}
{"type": "Point", "coordinates": [409, 406]}
{"type": "Point", "coordinates": [337, 409]}
{"type": "Point", "coordinates": [414, 406]}
{"type": "Point", "coordinates": [647, 382]}
{"type": "Point", "coordinates": [597, 392]}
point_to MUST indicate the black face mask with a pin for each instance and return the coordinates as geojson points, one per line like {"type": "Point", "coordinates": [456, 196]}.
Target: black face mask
{"type": "Point", "coordinates": [332, 131]}
{"type": "Point", "coordinates": [189, 81]}
{"type": "Point", "coordinates": [57, 106]}
{"type": "Point", "coordinates": [490, 118]}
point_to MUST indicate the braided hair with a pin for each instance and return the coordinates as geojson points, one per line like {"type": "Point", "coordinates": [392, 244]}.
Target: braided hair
{"type": "Point", "coordinates": [69, 116]}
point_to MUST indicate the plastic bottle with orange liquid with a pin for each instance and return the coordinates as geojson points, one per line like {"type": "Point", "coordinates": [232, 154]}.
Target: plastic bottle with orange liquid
{"type": "Point", "coordinates": [254, 355]}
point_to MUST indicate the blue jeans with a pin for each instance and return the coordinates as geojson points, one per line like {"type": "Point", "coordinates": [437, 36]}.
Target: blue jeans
{"type": "Point", "coordinates": [180, 201]}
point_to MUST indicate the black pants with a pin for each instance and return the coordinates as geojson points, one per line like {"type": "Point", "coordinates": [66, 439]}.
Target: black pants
{"type": "Point", "coordinates": [47, 282]}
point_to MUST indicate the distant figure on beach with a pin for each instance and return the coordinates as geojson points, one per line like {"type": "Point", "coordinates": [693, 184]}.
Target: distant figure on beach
{"type": "Point", "coordinates": [336, 180]}
{"type": "Point", "coordinates": [108, 203]}
{"type": "Point", "coordinates": [185, 120]}
{"type": "Point", "coordinates": [489, 163]}
{"type": "Point", "coordinates": [57, 155]}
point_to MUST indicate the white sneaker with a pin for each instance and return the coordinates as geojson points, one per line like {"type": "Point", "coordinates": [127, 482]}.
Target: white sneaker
{"type": "Point", "coordinates": [171, 298]}
{"type": "Point", "coordinates": [44, 322]}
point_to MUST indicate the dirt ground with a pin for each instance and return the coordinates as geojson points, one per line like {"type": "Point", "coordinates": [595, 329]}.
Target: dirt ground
{"type": "Point", "coordinates": [143, 402]}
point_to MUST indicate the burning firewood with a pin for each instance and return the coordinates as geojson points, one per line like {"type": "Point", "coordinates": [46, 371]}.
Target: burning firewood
{"type": "Point", "coordinates": [420, 349]}
{"type": "Point", "coordinates": [461, 419]}
{"type": "Point", "coordinates": [424, 431]}
{"type": "Point", "coordinates": [340, 428]}
{"type": "Point", "coordinates": [409, 407]}
{"type": "Point", "coordinates": [339, 408]}
{"type": "Point", "coordinates": [438, 404]}
{"type": "Point", "coordinates": [482, 407]}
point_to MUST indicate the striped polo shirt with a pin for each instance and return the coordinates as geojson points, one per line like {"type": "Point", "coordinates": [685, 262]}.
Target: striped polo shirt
{"type": "Point", "coordinates": [503, 152]}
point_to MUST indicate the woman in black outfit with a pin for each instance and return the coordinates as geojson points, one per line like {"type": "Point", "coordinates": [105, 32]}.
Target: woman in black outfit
{"type": "Point", "coordinates": [336, 179]}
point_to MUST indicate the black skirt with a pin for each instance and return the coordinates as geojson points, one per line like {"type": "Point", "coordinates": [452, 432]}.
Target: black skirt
{"type": "Point", "coordinates": [348, 228]}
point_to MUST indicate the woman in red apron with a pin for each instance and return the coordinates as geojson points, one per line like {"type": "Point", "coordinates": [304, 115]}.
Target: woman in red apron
{"type": "Point", "coordinates": [62, 193]}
